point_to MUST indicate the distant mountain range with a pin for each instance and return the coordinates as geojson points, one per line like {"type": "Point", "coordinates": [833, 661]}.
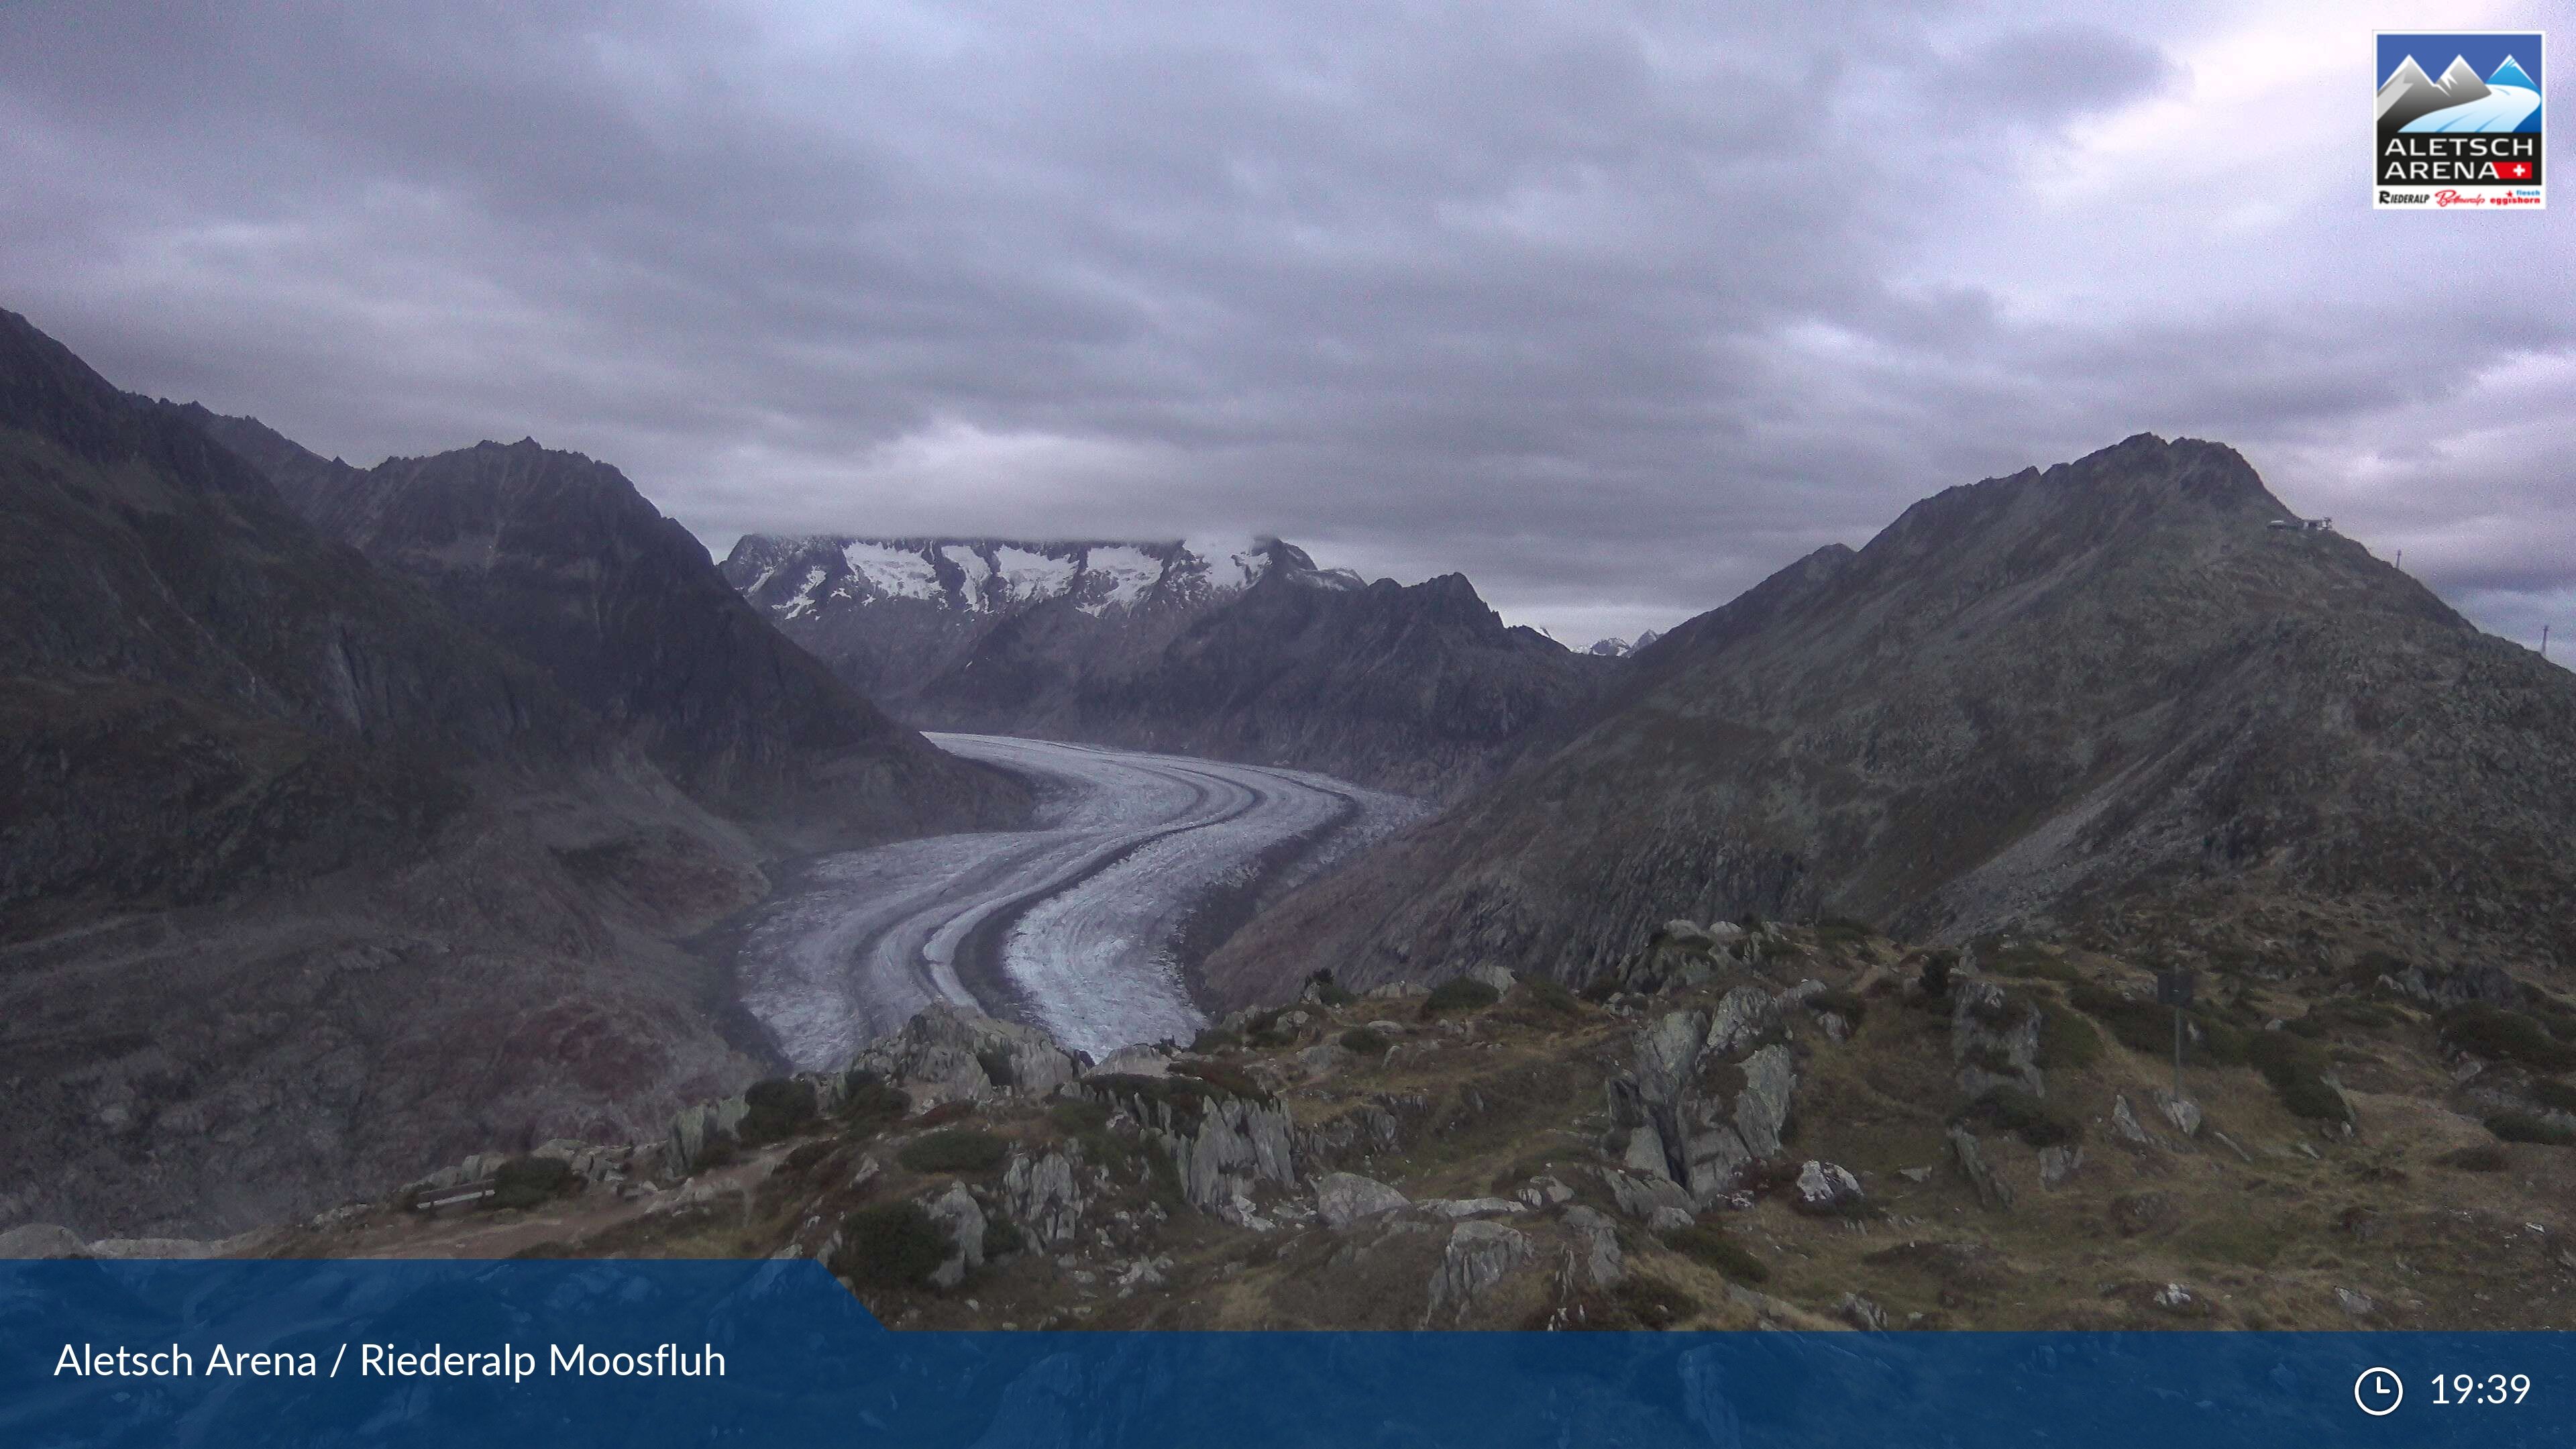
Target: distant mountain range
{"type": "Point", "coordinates": [2103, 699]}
{"type": "Point", "coordinates": [1249, 652]}
{"type": "Point", "coordinates": [1622, 648]}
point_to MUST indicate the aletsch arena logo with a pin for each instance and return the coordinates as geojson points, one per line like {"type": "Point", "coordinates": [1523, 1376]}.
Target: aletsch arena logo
{"type": "Point", "coordinates": [2466, 135]}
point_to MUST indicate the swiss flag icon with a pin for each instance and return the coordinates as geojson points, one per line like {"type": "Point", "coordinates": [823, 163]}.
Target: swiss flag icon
{"type": "Point", "coordinates": [2514, 170]}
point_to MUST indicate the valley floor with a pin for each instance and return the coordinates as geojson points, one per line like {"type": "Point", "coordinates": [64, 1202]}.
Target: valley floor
{"type": "Point", "coordinates": [1086, 925]}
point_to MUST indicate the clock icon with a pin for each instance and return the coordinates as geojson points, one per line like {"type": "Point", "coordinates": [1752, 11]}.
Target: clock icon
{"type": "Point", "coordinates": [2378, 1391]}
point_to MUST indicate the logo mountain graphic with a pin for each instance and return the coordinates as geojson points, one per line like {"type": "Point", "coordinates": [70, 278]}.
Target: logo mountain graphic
{"type": "Point", "coordinates": [2409, 100]}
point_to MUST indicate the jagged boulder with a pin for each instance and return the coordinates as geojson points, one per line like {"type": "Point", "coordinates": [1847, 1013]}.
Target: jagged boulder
{"type": "Point", "coordinates": [1742, 1016]}
{"type": "Point", "coordinates": [1043, 1194]}
{"type": "Point", "coordinates": [1343, 1198]}
{"type": "Point", "coordinates": [1593, 1257]}
{"type": "Point", "coordinates": [1479, 1255]}
{"type": "Point", "coordinates": [2125, 1124]}
{"type": "Point", "coordinates": [949, 1053]}
{"type": "Point", "coordinates": [1134, 1061]}
{"type": "Point", "coordinates": [1221, 1144]}
{"type": "Point", "coordinates": [1674, 1128]}
{"type": "Point", "coordinates": [1992, 1190]}
{"type": "Point", "coordinates": [1762, 1108]}
{"type": "Point", "coordinates": [1642, 1197]}
{"type": "Point", "coordinates": [1994, 1039]}
{"type": "Point", "coordinates": [1827, 1189]}
{"type": "Point", "coordinates": [961, 1219]}
{"type": "Point", "coordinates": [2057, 1163]}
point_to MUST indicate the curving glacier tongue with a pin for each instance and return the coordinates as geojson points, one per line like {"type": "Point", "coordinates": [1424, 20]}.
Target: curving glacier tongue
{"type": "Point", "coordinates": [1080, 926]}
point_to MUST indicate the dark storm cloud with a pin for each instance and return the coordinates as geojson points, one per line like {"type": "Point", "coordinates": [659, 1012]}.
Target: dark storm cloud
{"type": "Point", "coordinates": [1613, 309]}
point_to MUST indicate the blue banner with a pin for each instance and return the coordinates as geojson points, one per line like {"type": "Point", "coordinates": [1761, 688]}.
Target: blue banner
{"type": "Point", "coordinates": [645, 1354]}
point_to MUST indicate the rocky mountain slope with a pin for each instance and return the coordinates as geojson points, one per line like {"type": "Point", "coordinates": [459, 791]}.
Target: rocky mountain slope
{"type": "Point", "coordinates": [1257, 656]}
{"type": "Point", "coordinates": [1420, 688]}
{"type": "Point", "coordinates": [561, 560]}
{"type": "Point", "coordinates": [1797, 1128]}
{"type": "Point", "coordinates": [2105, 696]}
{"type": "Point", "coordinates": [301, 875]}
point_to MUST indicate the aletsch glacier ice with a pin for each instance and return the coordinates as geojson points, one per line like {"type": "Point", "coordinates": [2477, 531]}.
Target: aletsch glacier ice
{"type": "Point", "coordinates": [1129, 848]}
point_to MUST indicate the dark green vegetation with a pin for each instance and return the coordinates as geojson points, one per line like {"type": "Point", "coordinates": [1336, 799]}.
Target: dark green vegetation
{"type": "Point", "coordinates": [963, 1150]}
{"type": "Point", "coordinates": [2297, 1070]}
{"type": "Point", "coordinates": [1546, 994]}
{"type": "Point", "coordinates": [2506, 1036]}
{"type": "Point", "coordinates": [1713, 1247]}
{"type": "Point", "coordinates": [890, 1245]}
{"type": "Point", "coordinates": [2530, 1127]}
{"type": "Point", "coordinates": [525, 1182]}
{"type": "Point", "coordinates": [2014, 1110]}
{"type": "Point", "coordinates": [775, 1110]}
{"type": "Point", "coordinates": [1459, 994]}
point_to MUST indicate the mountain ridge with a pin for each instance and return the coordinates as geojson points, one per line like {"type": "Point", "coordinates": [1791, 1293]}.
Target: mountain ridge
{"type": "Point", "coordinates": [564, 562]}
{"type": "Point", "coordinates": [2056, 698]}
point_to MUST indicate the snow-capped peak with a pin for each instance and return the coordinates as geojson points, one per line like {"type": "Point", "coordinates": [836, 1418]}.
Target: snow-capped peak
{"type": "Point", "coordinates": [2511, 74]}
{"type": "Point", "coordinates": [796, 577]}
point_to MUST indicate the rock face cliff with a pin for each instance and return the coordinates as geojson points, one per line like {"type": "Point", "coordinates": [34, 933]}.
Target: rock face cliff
{"type": "Point", "coordinates": [1253, 655]}
{"type": "Point", "coordinates": [303, 875]}
{"type": "Point", "coordinates": [2096, 695]}
{"type": "Point", "coordinates": [559, 559]}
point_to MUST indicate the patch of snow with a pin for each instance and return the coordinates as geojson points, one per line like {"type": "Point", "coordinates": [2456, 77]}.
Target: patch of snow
{"type": "Point", "coordinates": [1232, 564]}
{"type": "Point", "coordinates": [894, 573]}
{"type": "Point", "coordinates": [1028, 576]}
{"type": "Point", "coordinates": [804, 599]}
{"type": "Point", "coordinates": [976, 570]}
{"type": "Point", "coordinates": [1125, 573]}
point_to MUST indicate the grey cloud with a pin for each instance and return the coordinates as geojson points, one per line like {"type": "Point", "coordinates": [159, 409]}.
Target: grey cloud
{"type": "Point", "coordinates": [1614, 309]}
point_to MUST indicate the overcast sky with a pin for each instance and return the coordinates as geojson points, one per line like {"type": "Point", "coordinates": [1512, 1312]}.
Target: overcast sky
{"type": "Point", "coordinates": [1614, 309]}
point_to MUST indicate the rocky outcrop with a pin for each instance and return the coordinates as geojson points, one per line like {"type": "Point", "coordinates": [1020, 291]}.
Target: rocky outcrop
{"type": "Point", "coordinates": [1223, 1147]}
{"type": "Point", "coordinates": [1593, 1259]}
{"type": "Point", "coordinates": [1649, 1198]}
{"type": "Point", "coordinates": [961, 1219]}
{"type": "Point", "coordinates": [1478, 1256]}
{"type": "Point", "coordinates": [1827, 1189]}
{"type": "Point", "coordinates": [1994, 1040]}
{"type": "Point", "coordinates": [947, 1053]}
{"type": "Point", "coordinates": [1343, 1198]}
{"type": "Point", "coordinates": [1742, 1017]}
{"type": "Point", "coordinates": [1044, 1194]}
{"type": "Point", "coordinates": [1670, 1122]}
{"type": "Point", "coordinates": [1995, 1193]}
